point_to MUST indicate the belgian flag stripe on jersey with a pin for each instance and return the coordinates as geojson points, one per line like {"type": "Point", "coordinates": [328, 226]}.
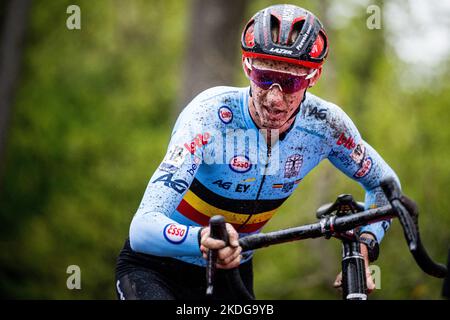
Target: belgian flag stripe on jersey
{"type": "Point", "coordinates": [191, 213]}
{"type": "Point", "coordinates": [245, 206]}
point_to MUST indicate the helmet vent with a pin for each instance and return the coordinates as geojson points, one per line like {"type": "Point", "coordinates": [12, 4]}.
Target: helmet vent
{"type": "Point", "coordinates": [296, 28]}
{"type": "Point", "coordinates": [319, 45]}
{"type": "Point", "coordinates": [249, 35]}
{"type": "Point", "coordinates": [275, 29]}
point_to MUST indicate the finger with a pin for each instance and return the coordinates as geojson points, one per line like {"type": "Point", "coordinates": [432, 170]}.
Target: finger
{"type": "Point", "coordinates": [204, 234]}
{"type": "Point", "coordinates": [205, 231]}
{"type": "Point", "coordinates": [338, 282]}
{"type": "Point", "coordinates": [369, 280]}
{"type": "Point", "coordinates": [203, 239]}
{"type": "Point", "coordinates": [234, 264]}
{"type": "Point", "coordinates": [203, 249]}
{"type": "Point", "coordinates": [370, 287]}
{"type": "Point", "coordinates": [226, 252]}
{"type": "Point", "coordinates": [370, 284]}
{"type": "Point", "coordinates": [232, 257]}
{"type": "Point", "coordinates": [233, 236]}
{"type": "Point", "coordinates": [213, 243]}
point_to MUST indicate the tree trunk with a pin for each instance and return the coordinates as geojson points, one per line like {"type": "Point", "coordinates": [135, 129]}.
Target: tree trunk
{"type": "Point", "coordinates": [14, 17]}
{"type": "Point", "coordinates": [213, 45]}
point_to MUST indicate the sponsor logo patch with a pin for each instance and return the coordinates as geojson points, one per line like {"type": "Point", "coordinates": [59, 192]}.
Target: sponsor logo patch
{"type": "Point", "coordinates": [175, 233]}
{"type": "Point", "coordinates": [191, 171]}
{"type": "Point", "coordinates": [168, 167]}
{"type": "Point", "coordinates": [365, 168]}
{"type": "Point", "coordinates": [240, 164]}
{"type": "Point", "coordinates": [280, 50]}
{"type": "Point", "coordinates": [287, 186]}
{"type": "Point", "coordinates": [225, 114]}
{"type": "Point", "coordinates": [358, 153]}
{"type": "Point", "coordinates": [173, 159]}
{"type": "Point", "coordinates": [199, 141]}
{"type": "Point", "coordinates": [243, 188]}
{"type": "Point", "coordinates": [293, 165]}
{"type": "Point", "coordinates": [223, 185]}
{"type": "Point", "coordinates": [346, 142]}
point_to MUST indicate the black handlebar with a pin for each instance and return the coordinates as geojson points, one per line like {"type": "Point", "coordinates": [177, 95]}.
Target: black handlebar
{"type": "Point", "coordinates": [326, 226]}
{"type": "Point", "coordinates": [330, 225]}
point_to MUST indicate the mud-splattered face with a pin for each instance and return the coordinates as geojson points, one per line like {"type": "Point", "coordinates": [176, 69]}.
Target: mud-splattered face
{"type": "Point", "coordinates": [272, 108]}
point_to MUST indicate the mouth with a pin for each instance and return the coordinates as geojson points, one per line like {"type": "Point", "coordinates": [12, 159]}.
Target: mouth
{"type": "Point", "coordinates": [274, 114]}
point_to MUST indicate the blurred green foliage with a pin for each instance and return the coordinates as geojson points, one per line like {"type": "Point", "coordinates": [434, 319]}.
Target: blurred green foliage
{"type": "Point", "coordinates": [92, 119]}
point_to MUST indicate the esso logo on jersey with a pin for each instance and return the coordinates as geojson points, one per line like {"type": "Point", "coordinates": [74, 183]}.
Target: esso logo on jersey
{"type": "Point", "coordinates": [175, 233]}
{"type": "Point", "coordinates": [225, 114]}
{"type": "Point", "coordinates": [240, 164]}
{"type": "Point", "coordinates": [365, 168]}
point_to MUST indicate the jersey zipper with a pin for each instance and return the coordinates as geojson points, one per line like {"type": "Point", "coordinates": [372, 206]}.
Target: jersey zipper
{"type": "Point", "coordinates": [268, 154]}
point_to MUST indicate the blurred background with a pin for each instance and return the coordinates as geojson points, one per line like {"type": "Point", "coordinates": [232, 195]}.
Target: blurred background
{"type": "Point", "coordinates": [86, 115]}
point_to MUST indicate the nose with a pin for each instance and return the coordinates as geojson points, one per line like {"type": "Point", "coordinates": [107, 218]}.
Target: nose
{"type": "Point", "coordinates": [275, 92]}
{"type": "Point", "coordinates": [276, 85]}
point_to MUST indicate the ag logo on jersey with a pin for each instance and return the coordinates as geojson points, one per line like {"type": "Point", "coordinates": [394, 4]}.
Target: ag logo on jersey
{"type": "Point", "coordinates": [179, 185]}
{"type": "Point", "coordinates": [175, 233]}
{"type": "Point", "coordinates": [225, 114]}
{"type": "Point", "coordinates": [319, 114]}
{"type": "Point", "coordinates": [293, 165]}
{"type": "Point", "coordinates": [240, 164]}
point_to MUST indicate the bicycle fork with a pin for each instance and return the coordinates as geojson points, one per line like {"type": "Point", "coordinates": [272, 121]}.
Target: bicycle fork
{"type": "Point", "coordinates": [354, 285]}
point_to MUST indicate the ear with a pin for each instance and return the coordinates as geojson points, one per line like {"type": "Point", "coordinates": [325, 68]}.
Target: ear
{"type": "Point", "coordinates": [316, 77]}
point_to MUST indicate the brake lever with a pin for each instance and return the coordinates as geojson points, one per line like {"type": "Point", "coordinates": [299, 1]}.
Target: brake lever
{"type": "Point", "coordinates": [393, 194]}
{"type": "Point", "coordinates": [411, 232]}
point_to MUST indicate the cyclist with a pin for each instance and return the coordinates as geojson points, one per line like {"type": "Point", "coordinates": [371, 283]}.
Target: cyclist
{"type": "Point", "coordinates": [283, 50]}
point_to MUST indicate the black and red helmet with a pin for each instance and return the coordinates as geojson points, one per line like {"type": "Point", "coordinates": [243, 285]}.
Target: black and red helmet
{"type": "Point", "coordinates": [285, 33]}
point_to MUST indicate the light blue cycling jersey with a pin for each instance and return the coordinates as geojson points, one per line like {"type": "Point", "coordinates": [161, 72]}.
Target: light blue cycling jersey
{"type": "Point", "coordinates": [218, 162]}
